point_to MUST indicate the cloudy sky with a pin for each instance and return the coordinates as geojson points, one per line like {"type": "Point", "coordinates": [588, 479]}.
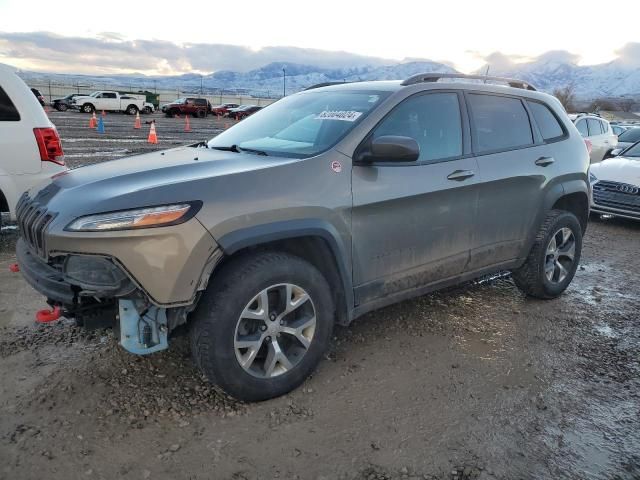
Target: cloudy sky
{"type": "Point", "coordinates": [156, 37]}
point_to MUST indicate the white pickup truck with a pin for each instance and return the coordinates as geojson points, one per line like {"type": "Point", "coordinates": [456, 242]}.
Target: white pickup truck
{"type": "Point", "coordinates": [109, 101]}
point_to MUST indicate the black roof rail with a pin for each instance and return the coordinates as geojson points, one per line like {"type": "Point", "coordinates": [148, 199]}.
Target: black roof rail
{"type": "Point", "coordinates": [434, 77]}
{"type": "Point", "coordinates": [325, 84]}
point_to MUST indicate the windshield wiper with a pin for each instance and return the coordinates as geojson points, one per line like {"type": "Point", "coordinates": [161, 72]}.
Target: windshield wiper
{"type": "Point", "coordinates": [237, 149]}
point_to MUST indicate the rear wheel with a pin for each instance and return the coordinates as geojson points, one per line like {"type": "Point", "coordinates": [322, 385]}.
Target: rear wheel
{"type": "Point", "coordinates": [262, 325]}
{"type": "Point", "coordinates": [147, 110]}
{"type": "Point", "coordinates": [554, 257]}
{"type": "Point", "coordinates": [201, 114]}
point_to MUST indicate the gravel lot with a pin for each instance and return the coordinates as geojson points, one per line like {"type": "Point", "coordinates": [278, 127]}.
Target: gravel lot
{"type": "Point", "coordinates": [474, 382]}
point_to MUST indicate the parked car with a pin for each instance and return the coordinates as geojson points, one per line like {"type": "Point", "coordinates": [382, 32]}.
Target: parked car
{"type": "Point", "coordinates": [615, 184]}
{"type": "Point", "coordinates": [319, 208]}
{"type": "Point", "coordinates": [221, 110]}
{"type": "Point", "coordinates": [243, 111]}
{"type": "Point", "coordinates": [597, 131]}
{"type": "Point", "coordinates": [147, 107]}
{"type": "Point", "coordinates": [198, 107]}
{"type": "Point", "coordinates": [627, 138]}
{"type": "Point", "coordinates": [619, 129]}
{"type": "Point", "coordinates": [31, 148]}
{"type": "Point", "coordinates": [109, 101]}
{"type": "Point", "coordinates": [64, 103]}
{"type": "Point", "coordinates": [39, 96]}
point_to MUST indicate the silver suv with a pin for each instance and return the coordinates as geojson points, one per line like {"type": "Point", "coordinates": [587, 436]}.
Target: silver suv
{"type": "Point", "coordinates": [323, 206]}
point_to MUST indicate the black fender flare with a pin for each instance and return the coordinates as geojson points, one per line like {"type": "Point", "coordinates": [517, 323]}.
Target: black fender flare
{"type": "Point", "coordinates": [257, 235]}
{"type": "Point", "coordinates": [555, 193]}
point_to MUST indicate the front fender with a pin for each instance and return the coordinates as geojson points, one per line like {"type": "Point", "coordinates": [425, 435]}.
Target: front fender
{"type": "Point", "coordinates": [290, 229]}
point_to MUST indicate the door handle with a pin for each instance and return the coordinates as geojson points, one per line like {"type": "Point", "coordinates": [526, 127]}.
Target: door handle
{"type": "Point", "coordinates": [544, 161]}
{"type": "Point", "coordinates": [460, 175]}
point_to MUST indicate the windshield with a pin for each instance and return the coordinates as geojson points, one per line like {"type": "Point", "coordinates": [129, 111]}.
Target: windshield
{"type": "Point", "coordinates": [631, 135]}
{"type": "Point", "coordinates": [95, 94]}
{"type": "Point", "coordinates": [180, 100]}
{"type": "Point", "coordinates": [632, 151]}
{"type": "Point", "coordinates": [301, 125]}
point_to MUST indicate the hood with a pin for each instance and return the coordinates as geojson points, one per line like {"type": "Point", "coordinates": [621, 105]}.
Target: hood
{"type": "Point", "coordinates": [163, 177]}
{"type": "Point", "coordinates": [618, 169]}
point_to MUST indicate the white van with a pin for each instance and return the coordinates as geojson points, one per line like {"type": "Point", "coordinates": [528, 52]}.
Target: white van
{"type": "Point", "coordinates": [30, 148]}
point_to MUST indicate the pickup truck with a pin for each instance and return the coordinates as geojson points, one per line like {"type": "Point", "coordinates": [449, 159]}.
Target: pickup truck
{"type": "Point", "coordinates": [109, 101]}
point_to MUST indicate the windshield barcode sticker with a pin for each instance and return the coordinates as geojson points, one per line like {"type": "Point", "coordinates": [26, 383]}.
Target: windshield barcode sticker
{"type": "Point", "coordinates": [344, 115]}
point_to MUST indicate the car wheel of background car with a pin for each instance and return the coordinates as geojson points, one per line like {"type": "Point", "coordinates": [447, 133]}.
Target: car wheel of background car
{"type": "Point", "coordinates": [87, 108]}
{"type": "Point", "coordinates": [554, 257]}
{"type": "Point", "coordinates": [147, 110]}
{"type": "Point", "coordinates": [61, 107]}
{"type": "Point", "coordinates": [262, 325]}
{"type": "Point", "coordinates": [131, 110]}
{"type": "Point", "coordinates": [201, 114]}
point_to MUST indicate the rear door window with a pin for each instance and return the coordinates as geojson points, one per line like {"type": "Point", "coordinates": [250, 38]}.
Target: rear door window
{"type": "Point", "coordinates": [499, 123]}
{"type": "Point", "coordinates": [582, 128]}
{"type": "Point", "coordinates": [547, 122]}
{"type": "Point", "coordinates": [8, 111]}
{"type": "Point", "coordinates": [595, 127]}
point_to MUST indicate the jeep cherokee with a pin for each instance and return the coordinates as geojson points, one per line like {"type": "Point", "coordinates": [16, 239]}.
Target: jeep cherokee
{"type": "Point", "coordinates": [325, 205]}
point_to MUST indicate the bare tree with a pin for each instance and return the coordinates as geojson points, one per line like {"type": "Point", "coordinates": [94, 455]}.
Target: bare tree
{"type": "Point", "coordinates": [601, 104]}
{"type": "Point", "coordinates": [626, 104]}
{"type": "Point", "coordinates": [567, 97]}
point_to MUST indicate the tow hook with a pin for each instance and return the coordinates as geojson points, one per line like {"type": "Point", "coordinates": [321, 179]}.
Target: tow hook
{"type": "Point", "coordinates": [48, 316]}
{"type": "Point", "coordinates": [14, 267]}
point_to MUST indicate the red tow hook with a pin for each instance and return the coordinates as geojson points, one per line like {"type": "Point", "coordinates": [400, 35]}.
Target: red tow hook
{"type": "Point", "coordinates": [48, 316]}
{"type": "Point", "coordinates": [14, 267]}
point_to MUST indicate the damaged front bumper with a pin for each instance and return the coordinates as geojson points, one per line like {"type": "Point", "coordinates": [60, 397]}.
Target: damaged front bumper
{"type": "Point", "coordinates": [98, 293]}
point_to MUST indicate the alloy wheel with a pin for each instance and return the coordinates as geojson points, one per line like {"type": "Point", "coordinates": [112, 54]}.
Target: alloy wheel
{"type": "Point", "coordinates": [275, 330]}
{"type": "Point", "coordinates": [560, 255]}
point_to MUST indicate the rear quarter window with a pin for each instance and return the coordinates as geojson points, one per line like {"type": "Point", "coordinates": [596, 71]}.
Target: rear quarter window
{"type": "Point", "coordinates": [8, 111]}
{"type": "Point", "coordinates": [548, 123]}
{"type": "Point", "coordinates": [499, 123]}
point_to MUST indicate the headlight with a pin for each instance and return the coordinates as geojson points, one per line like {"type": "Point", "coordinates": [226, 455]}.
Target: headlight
{"type": "Point", "coordinates": [149, 217]}
{"type": "Point", "coordinates": [592, 178]}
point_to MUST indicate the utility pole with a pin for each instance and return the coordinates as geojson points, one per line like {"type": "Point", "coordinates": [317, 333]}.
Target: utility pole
{"type": "Point", "coordinates": [201, 77]}
{"type": "Point", "coordinates": [284, 82]}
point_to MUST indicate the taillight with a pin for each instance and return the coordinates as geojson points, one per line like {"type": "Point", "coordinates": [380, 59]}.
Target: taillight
{"type": "Point", "coordinates": [589, 145]}
{"type": "Point", "coordinates": [49, 145]}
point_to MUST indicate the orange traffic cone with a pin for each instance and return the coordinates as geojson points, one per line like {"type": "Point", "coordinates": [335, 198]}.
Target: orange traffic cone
{"type": "Point", "coordinates": [137, 125]}
{"type": "Point", "coordinates": [153, 138]}
{"type": "Point", "coordinates": [104, 114]}
{"type": "Point", "coordinates": [187, 124]}
{"type": "Point", "coordinates": [93, 121]}
{"type": "Point", "coordinates": [226, 125]}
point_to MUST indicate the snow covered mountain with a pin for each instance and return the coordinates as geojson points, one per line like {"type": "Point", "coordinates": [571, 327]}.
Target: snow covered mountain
{"type": "Point", "coordinates": [264, 81]}
{"type": "Point", "coordinates": [549, 72]}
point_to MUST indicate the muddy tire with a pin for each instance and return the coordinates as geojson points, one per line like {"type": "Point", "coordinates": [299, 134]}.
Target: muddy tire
{"type": "Point", "coordinates": [262, 325]}
{"type": "Point", "coordinates": [554, 257]}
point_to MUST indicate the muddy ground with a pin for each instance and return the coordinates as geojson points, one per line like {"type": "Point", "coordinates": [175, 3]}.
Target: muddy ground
{"type": "Point", "coordinates": [474, 382]}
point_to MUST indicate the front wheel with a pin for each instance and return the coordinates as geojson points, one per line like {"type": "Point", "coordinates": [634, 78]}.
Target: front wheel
{"type": "Point", "coordinates": [87, 108]}
{"type": "Point", "coordinates": [554, 257]}
{"type": "Point", "coordinates": [147, 110]}
{"type": "Point", "coordinates": [131, 110]}
{"type": "Point", "coordinates": [262, 325]}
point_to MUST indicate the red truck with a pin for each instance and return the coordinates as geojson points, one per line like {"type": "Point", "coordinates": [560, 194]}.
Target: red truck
{"type": "Point", "coordinates": [198, 107]}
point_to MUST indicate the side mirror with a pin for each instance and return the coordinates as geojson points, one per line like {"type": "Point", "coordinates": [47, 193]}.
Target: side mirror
{"type": "Point", "coordinates": [391, 148]}
{"type": "Point", "coordinates": [613, 153]}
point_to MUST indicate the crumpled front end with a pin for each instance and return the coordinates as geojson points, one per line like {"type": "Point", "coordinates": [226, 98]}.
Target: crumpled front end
{"type": "Point", "coordinates": [146, 281]}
